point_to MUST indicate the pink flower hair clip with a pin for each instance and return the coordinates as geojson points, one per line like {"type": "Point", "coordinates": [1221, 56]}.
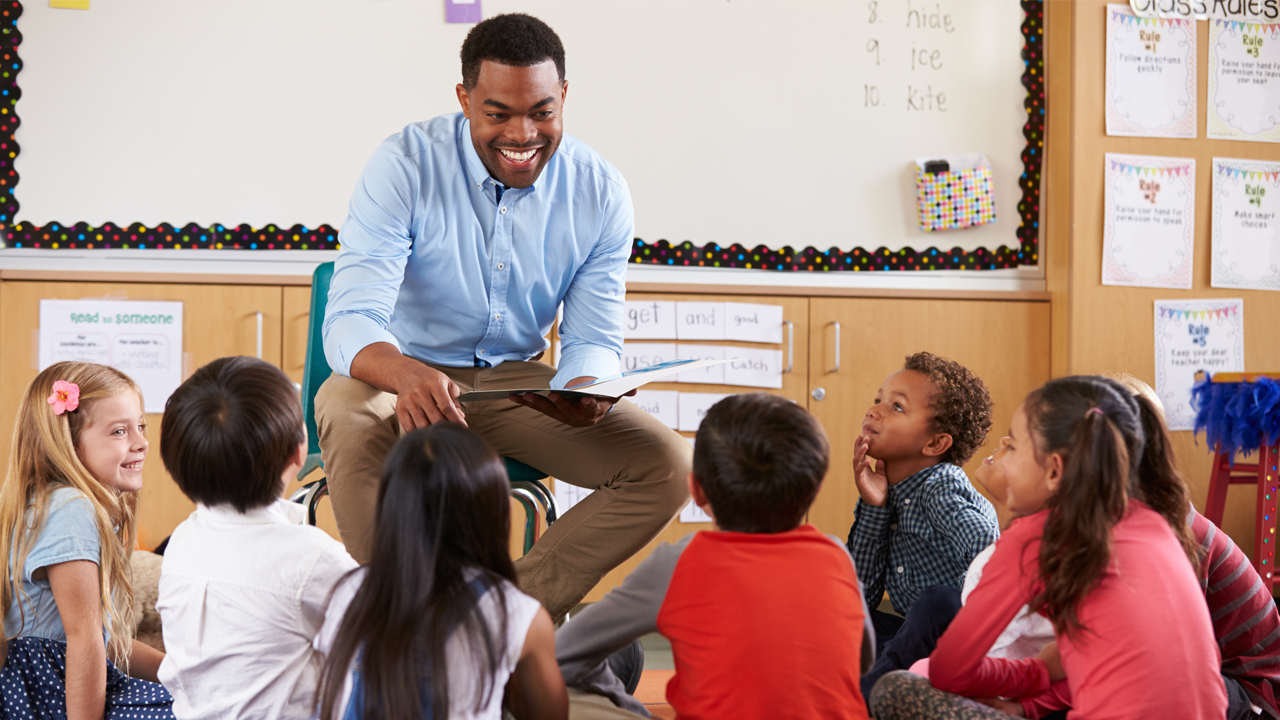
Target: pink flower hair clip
{"type": "Point", "coordinates": [65, 397]}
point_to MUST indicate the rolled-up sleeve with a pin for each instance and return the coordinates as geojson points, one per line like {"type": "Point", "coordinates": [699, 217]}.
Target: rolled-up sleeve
{"type": "Point", "coordinates": [591, 331]}
{"type": "Point", "coordinates": [376, 241]}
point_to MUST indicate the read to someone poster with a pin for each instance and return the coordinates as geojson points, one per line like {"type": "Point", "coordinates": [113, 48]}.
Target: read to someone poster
{"type": "Point", "coordinates": [1194, 335]}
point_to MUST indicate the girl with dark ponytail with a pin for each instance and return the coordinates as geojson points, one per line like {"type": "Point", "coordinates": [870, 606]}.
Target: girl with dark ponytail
{"type": "Point", "coordinates": [434, 626]}
{"type": "Point", "coordinates": [1110, 571]}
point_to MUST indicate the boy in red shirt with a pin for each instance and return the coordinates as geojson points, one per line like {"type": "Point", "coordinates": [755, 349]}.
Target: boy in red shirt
{"type": "Point", "coordinates": [762, 612]}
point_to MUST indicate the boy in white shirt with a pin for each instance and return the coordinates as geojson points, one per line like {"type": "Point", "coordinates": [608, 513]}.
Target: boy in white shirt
{"type": "Point", "coordinates": [244, 583]}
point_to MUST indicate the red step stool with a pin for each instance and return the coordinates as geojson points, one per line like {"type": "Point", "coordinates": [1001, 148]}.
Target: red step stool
{"type": "Point", "coordinates": [1263, 474]}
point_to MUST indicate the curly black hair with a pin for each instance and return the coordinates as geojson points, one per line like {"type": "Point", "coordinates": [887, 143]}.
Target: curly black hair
{"type": "Point", "coordinates": [961, 404]}
{"type": "Point", "coordinates": [513, 39]}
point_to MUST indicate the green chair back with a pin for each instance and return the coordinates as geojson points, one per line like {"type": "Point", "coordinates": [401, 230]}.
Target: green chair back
{"type": "Point", "coordinates": [316, 369]}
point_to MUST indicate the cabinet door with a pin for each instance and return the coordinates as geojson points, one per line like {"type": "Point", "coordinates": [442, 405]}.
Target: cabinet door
{"type": "Point", "coordinates": [1006, 343]}
{"type": "Point", "coordinates": [794, 387]}
{"type": "Point", "coordinates": [219, 320]}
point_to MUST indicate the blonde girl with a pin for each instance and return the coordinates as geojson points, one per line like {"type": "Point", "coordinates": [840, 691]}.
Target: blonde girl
{"type": "Point", "coordinates": [67, 529]}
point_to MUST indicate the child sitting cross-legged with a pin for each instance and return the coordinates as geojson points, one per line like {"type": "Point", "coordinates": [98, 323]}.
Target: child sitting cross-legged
{"type": "Point", "coordinates": [67, 529]}
{"type": "Point", "coordinates": [244, 582]}
{"type": "Point", "coordinates": [919, 522]}
{"type": "Point", "coordinates": [764, 614]}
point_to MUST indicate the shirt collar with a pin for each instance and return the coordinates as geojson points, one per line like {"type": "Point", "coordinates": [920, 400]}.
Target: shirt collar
{"type": "Point", "coordinates": [908, 487]}
{"type": "Point", "coordinates": [281, 511]}
{"type": "Point", "coordinates": [476, 170]}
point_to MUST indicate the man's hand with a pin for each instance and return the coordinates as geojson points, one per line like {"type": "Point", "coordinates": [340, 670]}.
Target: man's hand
{"type": "Point", "coordinates": [575, 412]}
{"type": "Point", "coordinates": [873, 487]}
{"type": "Point", "coordinates": [425, 396]}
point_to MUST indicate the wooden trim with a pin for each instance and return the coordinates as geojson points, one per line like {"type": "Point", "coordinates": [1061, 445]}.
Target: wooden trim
{"type": "Point", "coordinates": [152, 277]}
{"type": "Point", "coordinates": [924, 294]}
{"type": "Point", "coordinates": [1057, 196]}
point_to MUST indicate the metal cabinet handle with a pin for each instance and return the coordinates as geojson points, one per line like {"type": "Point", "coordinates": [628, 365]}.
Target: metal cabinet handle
{"type": "Point", "coordinates": [791, 344]}
{"type": "Point", "coordinates": [259, 334]}
{"type": "Point", "coordinates": [837, 324]}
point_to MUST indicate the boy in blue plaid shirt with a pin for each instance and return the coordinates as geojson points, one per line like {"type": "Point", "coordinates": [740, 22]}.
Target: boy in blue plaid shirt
{"type": "Point", "coordinates": [919, 521]}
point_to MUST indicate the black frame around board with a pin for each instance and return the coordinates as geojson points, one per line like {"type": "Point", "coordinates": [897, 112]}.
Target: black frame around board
{"type": "Point", "coordinates": [80, 235]}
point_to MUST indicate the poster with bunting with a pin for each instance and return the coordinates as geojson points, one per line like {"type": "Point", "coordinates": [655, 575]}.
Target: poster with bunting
{"type": "Point", "coordinates": [1191, 336]}
{"type": "Point", "coordinates": [1246, 244]}
{"type": "Point", "coordinates": [1149, 228]}
{"type": "Point", "coordinates": [1244, 81]}
{"type": "Point", "coordinates": [1151, 75]}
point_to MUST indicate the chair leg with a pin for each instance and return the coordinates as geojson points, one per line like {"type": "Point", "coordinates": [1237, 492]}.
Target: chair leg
{"type": "Point", "coordinates": [543, 496]}
{"type": "Point", "coordinates": [319, 489]}
{"type": "Point", "coordinates": [1219, 481]}
{"type": "Point", "coordinates": [530, 506]}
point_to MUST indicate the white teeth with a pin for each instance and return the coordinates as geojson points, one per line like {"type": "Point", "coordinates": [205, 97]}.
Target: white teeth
{"type": "Point", "coordinates": [519, 157]}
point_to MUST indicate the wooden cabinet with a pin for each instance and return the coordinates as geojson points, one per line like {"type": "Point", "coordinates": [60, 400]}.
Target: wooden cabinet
{"type": "Point", "coordinates": [1005, 343]}
{"type": "Point", "coordinates": [218, 320]}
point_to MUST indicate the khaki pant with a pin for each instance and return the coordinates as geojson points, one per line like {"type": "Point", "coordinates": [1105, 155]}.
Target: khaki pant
{"type": "Point", "coordinates": [636, 465]}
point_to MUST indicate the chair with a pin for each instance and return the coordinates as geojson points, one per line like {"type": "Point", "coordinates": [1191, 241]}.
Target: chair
{"type": "Point", "coordinates": [526, 482]}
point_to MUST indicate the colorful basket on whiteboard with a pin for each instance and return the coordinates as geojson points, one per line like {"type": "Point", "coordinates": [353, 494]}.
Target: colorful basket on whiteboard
{"type": "Point", "coordinates": [956, 197]}
{"type": "Point", "coordinates": [1238, 417]}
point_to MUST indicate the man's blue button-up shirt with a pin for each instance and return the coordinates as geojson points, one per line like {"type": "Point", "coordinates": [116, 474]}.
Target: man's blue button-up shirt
{"type": "Point", "coordinates": [433, 263]}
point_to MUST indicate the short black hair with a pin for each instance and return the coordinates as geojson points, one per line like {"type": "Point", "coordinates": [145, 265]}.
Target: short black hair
{"type": "Point", "coordinates": [960, 403]}
{"type": "Point", "coordinates": [229, 432]}
{"type": "Point", "coordinates": [514, 39]}
{"type": "Point", "coordinates": [760, 459]}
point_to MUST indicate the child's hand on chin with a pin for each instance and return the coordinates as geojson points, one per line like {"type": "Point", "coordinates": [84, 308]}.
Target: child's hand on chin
{"type": "Point", "coordinates": [873, 486]}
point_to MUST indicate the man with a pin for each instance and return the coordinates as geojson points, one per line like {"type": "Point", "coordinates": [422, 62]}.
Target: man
{"type": "Point", "coordinates": [464, 236]}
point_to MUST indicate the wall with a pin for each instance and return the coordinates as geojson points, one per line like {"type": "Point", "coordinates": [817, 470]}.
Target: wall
{"type": "Point", "coordinates": [1109, 329]}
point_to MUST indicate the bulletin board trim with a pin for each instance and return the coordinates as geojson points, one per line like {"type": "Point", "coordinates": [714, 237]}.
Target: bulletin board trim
{"type": "Point", "coordinates": [81, 235]}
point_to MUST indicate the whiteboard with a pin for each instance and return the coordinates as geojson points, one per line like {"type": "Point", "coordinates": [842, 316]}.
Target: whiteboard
{"type": "Point", "coordinates": [744, 121]}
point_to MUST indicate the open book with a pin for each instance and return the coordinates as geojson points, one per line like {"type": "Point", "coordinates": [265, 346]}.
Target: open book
{"type": "Point", "coordinates": [610, 387]}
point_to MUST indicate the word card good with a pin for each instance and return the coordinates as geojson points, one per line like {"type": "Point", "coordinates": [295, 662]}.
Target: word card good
{"type": "Point", "coordinates": [753, 322]}
{"type": "Point", "coordinates": [568, 495]}
{"type": "Point", "coordinates": [700, 321]}
{"type": "Point", "coordinates": [1149, 226]}
{"type": "Point", "coordinates": [1246, 233]}
{"type": "Point", "coordinates": [711, 375]}
{"type": "Point", "coordinates": [642, 355]}
{"type": "Point", "coordinates": [142, 339]}
{"type": "Point", "coordinates": [1191, 336]}
{"type": "Point", "coordinates": [1151, 75]}
{"type": "Point", "coordinates": [1244, 81]}
{"type": "Point", "coordinates": [662, 404]}
{"type": "Point", "coordinates": [694, 407]}
{"type": "Point", "coordinates": [649, 320]}
{"type": "Point", "coordinates": [753, 367]}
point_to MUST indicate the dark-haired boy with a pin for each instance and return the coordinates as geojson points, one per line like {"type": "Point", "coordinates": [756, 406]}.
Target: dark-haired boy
{"type": "Point", "coordinates": [761, 611]}
{"type": "Point", "coordinates": [919, 521]}
{"type": "Point", "coordinates": [244, 583]}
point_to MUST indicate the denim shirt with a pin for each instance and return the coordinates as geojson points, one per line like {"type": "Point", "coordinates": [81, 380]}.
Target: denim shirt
{"type": "Point", "coordinates": [70, 532]}
{"type": "Point", "coordinates": [435, 264]}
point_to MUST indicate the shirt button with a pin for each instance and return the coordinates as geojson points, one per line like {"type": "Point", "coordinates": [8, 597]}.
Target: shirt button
{"type": "Point", "coordinates": [893, 526]}
{"type": "Point", "coordinates": [899, 568]}
{"type": "Point", "coordinates": [503, 211]}
{"type": "Point", "coordinates": [502, 266]}
{"type": "Point", "coordinates": [498, 316]}
{"type": "Point", "coordinates": [482, 351]}
{"type": "Point", "coordinates": [907, 501]}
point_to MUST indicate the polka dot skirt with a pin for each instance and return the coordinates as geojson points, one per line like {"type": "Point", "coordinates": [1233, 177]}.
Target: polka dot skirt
{"type": "Point", "coordinates": [33, 685]}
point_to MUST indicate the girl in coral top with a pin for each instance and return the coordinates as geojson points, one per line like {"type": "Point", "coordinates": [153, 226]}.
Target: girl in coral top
{"type": "Point", "coordinates": [1104, 553]}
